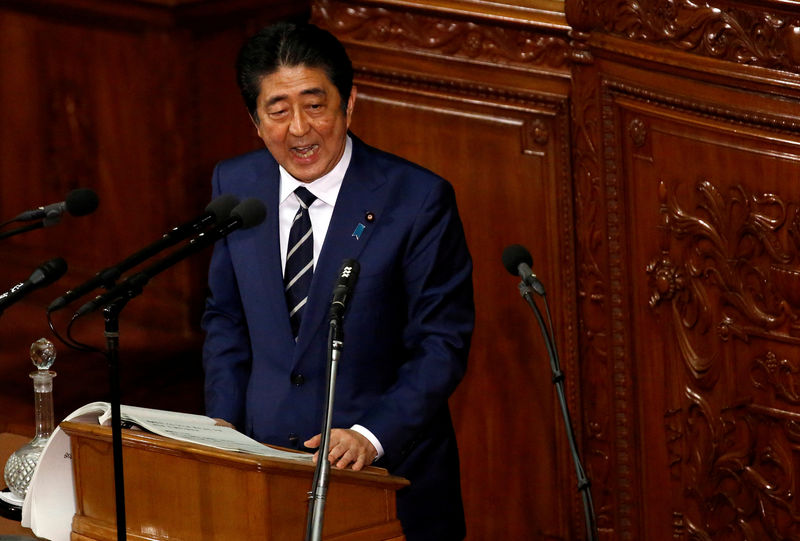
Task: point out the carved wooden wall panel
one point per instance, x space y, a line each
605 398
485 105
684 168
721 257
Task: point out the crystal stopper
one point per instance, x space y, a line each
43 353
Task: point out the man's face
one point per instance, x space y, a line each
301 120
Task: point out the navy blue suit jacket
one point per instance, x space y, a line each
406 331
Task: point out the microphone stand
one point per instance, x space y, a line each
319 485
558 381
23 229
111 316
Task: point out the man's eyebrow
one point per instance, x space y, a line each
315 91
275 99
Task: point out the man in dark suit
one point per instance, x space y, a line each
408 324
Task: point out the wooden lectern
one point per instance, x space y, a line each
183 491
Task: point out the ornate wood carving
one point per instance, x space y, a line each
723 267
637 132
737 471
449 37
535 136
593 289
736 33
618 353
739 244
734 458
777 375
666 280
529 100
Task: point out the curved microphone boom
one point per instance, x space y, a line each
517 261
217 210
249 213
44 275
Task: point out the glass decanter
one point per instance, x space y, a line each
20 465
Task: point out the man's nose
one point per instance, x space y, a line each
299 125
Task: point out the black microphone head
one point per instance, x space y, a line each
348 272
81 202
48 272
222 206
345 283
515 254
251 211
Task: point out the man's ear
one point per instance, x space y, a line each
351 104
254 119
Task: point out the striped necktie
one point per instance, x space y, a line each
299 260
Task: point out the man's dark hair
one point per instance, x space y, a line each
291 44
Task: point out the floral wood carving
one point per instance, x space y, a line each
736 247
408 30
536 135
665 280
731 265
738 471
637 130
741 34
779 375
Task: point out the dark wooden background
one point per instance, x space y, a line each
645 152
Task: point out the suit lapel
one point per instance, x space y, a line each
262 248
348 234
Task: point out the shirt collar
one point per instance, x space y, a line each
326 187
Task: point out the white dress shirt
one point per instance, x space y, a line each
326 190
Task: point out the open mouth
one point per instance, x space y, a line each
305 152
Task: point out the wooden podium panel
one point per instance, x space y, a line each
182 491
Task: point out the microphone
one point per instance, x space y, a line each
348 275
44 275
249 213
216 211
345 282
78 202
517 260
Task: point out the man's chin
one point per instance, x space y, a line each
305 174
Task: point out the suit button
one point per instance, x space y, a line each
298 379
294 441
